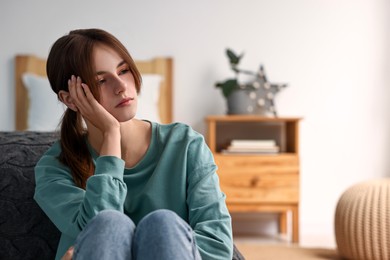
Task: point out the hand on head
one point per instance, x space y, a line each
80 99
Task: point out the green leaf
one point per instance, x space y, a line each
233 58
227 86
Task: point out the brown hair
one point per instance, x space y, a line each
72 54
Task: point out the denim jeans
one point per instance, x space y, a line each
161 234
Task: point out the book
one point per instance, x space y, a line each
253 143
253 149
248 146
225 151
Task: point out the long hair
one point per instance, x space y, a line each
72 54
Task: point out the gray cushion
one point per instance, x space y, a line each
25 230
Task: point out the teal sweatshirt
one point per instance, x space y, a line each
178 173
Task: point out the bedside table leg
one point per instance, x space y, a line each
283 222
295 225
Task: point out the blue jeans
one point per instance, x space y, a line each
161 234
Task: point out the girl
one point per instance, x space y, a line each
117 187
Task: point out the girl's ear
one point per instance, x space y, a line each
67 99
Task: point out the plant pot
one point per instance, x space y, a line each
240 102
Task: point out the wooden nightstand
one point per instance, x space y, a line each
258 182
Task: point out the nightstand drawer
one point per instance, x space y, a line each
251 179
258 164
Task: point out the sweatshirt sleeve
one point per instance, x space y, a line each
69 207
208 213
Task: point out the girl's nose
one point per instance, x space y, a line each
120 86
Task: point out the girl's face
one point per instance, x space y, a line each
118 94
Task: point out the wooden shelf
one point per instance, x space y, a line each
258 182
251 118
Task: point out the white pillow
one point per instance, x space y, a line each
148 98
45 109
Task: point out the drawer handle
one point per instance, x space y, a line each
254 181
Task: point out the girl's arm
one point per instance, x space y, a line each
70 207
208 213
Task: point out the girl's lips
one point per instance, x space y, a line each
125 102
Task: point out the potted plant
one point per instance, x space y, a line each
253 97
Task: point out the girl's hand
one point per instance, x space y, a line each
68 254
89 107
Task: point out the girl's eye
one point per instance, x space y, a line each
124 71
101 82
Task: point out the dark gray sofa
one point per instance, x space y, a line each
25 231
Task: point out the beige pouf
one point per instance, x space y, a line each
362 221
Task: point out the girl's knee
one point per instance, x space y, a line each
108 230
162 221
161 215
166 229
110 218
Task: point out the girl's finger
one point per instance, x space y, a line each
79 89
74 86
68 254
88 93
71 87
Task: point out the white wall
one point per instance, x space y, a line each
333 53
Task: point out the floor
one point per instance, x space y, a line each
247 243
244 240
312 241
253 230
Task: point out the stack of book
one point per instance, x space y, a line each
252 147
